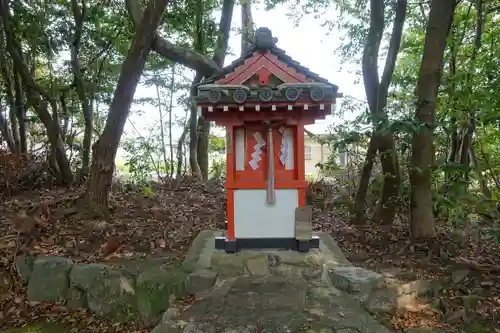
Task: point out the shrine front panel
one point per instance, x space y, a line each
251 151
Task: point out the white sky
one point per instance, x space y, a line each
308 43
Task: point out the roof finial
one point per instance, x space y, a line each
263 39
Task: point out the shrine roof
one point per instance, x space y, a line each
263 43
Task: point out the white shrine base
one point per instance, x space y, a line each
255 218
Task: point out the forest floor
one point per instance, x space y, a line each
166 221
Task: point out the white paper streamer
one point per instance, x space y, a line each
254 162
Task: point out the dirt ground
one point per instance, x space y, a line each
166 221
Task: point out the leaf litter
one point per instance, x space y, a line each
165 223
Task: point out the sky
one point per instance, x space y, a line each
308 43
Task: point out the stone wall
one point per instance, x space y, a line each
130 290
144 290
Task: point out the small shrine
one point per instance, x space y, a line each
264 99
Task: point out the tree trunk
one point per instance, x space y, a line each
79 17
438 27
58 150
20 110
247 26
193 132
203 136
7 82
376 92
386 206
485 190
471 126
105 148
203 127
364 183
37 96
194 59
162 127
202 147
180 156
452 94
170 111
5 129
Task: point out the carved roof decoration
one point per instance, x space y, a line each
264 49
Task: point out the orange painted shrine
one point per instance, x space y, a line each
264 99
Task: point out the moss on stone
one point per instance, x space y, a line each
156 288
112 294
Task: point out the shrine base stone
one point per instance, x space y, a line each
272 291
315 263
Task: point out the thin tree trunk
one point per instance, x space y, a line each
454 139
364 183
193 131
21 106
203 136
20 110
471 127
67 116
376 92
438 27
386 205
485 190
180 155
194 134
5 129
170 111
202 147
8 88
247 26
162 131
38 96
105 148
79 17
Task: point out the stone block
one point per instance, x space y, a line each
49 279
233 264
82 275
76 298
200 280
257 266
356 280
303 225
112 294
203 243
156 288
24 266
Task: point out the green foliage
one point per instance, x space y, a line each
217 144
218 169
147 191
138 156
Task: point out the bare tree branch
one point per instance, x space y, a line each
176 53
